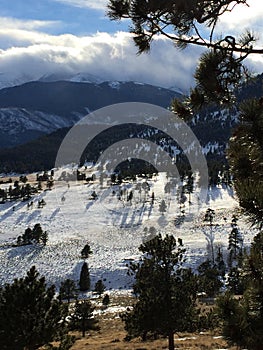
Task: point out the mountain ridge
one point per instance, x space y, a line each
43 107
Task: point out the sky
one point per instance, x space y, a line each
52 36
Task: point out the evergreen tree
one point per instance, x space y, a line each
35 235
243 319
84 280
209 278
99 287
209 217
165 291
82 318
235 242
246 159
86 251
30 316
44 237
106 300
234 281
189 186
162 207
220 263
67 290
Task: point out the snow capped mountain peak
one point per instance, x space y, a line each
81 77
12 79
86 78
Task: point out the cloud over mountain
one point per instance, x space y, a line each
111 56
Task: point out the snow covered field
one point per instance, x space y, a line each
114 229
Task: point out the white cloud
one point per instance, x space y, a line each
15 23
111 57
244 17
93 4
26 50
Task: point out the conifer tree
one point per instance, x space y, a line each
209 278
162 207
86 251
165 291
84 280
235 242
243 319
82 318
106 300
30 315
209 217
67 290
99 287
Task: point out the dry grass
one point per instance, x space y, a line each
111 336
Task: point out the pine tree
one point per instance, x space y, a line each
84 280
67 290
99 287
235 242
82 318
37 233
162 207
106 300
30 315
165 291
209 217
44 237
209 278
86 251
220 263
243 319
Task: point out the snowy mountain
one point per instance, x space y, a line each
35 117
41 107
13 79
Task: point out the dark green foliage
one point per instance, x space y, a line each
99 287
219 262
235 243
235 283
68 290
165 291
82 318
220 70
246 158
209 216
30 316
163 207
209 278
86 251
243 319
84 280
35 235
106 300
24 191
207 320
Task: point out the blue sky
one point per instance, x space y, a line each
53 36
75 17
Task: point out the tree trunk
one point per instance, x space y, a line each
83 327
171 341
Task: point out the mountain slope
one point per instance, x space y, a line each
42 107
